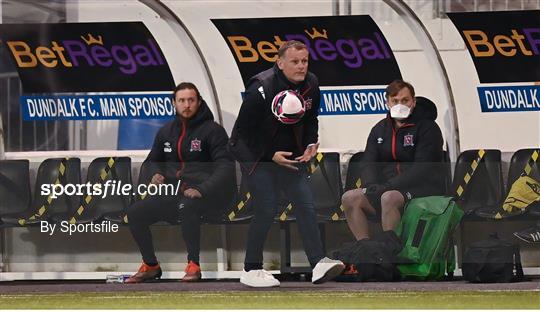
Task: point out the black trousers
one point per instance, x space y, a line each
170 209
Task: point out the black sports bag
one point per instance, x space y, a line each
492 261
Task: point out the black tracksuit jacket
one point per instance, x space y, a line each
195 152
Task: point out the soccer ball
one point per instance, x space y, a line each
288 107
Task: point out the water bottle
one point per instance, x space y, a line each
116 279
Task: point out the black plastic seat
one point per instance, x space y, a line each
478 183
14 191
146 171
353 179
112 206
57 171
241 208
326 186
525 162
231 207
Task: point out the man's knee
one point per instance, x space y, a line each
352 198
347 200
391 200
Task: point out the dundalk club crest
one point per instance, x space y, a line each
195 145
408 140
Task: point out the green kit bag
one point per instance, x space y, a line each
426 230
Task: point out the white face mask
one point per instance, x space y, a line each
400 112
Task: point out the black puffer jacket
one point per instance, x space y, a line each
409 158
259 134
202 162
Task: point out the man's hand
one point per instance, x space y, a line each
157 179
309 153
192 193
280 158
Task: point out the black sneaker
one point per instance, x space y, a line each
529 235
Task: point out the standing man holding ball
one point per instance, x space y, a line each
274 137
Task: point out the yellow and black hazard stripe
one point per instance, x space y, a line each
336 215
467 178
530 163
286 211
316 163
312 168
141 197
60 179
241 204
88 198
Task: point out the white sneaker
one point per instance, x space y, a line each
258 278
326 269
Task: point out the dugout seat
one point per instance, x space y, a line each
14 191
478 183
241 209
53 171
146 171
326 186
353 180
111 207
523 162
518 165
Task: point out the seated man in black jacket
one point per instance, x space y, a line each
400 161
190 150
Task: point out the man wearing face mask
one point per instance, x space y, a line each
401 161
